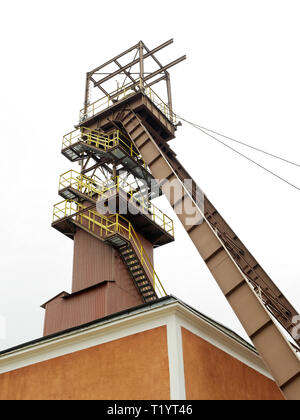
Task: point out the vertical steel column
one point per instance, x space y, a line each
169 92
141 57
86 95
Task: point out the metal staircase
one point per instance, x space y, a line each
74 185
136 131
137 272
118 232
110 146
110 149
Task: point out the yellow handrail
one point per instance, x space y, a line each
93 186
107 226
107 101
103 141
160 104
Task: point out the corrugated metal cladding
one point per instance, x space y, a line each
93 261
63 313
123 293
148 247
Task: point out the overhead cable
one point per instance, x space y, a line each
203 130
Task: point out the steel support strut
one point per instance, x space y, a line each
218 252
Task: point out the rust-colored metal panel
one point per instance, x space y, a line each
149 151
273 355
207 243
122 294
97 302
120 298
141 105
53 319
252 316
148 247
93 261
291 390
160 171
220 267
67 312
211 374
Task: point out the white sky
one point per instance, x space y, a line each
241 78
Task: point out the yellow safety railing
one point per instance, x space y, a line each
160 104
106 226
103 141
108 100
93 186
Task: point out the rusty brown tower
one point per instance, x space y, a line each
121 144
107 208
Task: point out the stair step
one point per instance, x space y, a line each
132 261
141 139
130 258
128 118
126 252
127 255
136 131
135 274
143 284
126 248
152 299
149 294
138 268
126 115
130 126
134 270
140 278
147 286
140 286
145 289
134 264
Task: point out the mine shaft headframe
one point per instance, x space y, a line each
132 71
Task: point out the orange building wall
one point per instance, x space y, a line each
134 367
212 374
